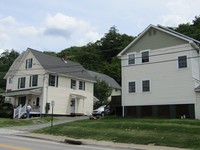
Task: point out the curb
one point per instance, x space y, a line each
74 142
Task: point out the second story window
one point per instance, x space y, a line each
81 85
29 63
10 80
21 82
146 86
182 62
73 84
33 80
131 59
145 56
53 80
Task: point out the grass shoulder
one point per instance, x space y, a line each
183 133
7 122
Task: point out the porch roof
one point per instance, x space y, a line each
77 96
35 91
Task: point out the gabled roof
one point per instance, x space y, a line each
110 81
57 65
193 42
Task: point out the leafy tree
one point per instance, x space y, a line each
191 30
101 91
101 55
113 43
6 60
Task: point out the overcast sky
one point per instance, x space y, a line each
53 25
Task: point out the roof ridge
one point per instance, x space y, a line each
178 33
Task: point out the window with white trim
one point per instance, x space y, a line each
29 63
33 80
146 86
81 85
10 80
145 56
21 82
53 80
131 58
132 87
73 84
182 62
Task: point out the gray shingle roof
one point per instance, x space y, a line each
111 82
57 65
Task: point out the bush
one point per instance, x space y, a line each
6 110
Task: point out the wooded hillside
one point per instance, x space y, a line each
101 55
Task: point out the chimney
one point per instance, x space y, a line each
65 58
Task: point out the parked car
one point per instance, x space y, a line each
99 111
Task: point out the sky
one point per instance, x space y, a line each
53 25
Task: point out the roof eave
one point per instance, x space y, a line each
135 40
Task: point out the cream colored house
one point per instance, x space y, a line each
40 80
116 88
161 75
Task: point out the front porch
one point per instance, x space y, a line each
21 98
77 104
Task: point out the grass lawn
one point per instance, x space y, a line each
6 122
167 132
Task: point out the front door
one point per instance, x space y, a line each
22 100
73 106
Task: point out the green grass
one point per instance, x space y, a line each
167 132
5 122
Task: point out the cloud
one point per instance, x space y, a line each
69 28
179 11
55 32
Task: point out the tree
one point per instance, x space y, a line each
112 43
191 30
101 91
6 60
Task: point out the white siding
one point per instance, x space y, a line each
61 96
169 85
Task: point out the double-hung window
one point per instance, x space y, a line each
145 56
132 87
53 80
131 58
146 86
182 62
33 80
81 85
73 84
29 63
21 82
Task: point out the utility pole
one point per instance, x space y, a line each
52 105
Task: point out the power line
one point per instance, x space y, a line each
156 62
162 53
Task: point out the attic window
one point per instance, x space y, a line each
152 32
29 63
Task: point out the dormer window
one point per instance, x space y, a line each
29 63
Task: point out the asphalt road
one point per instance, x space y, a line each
8 142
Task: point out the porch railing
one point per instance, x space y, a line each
19 111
